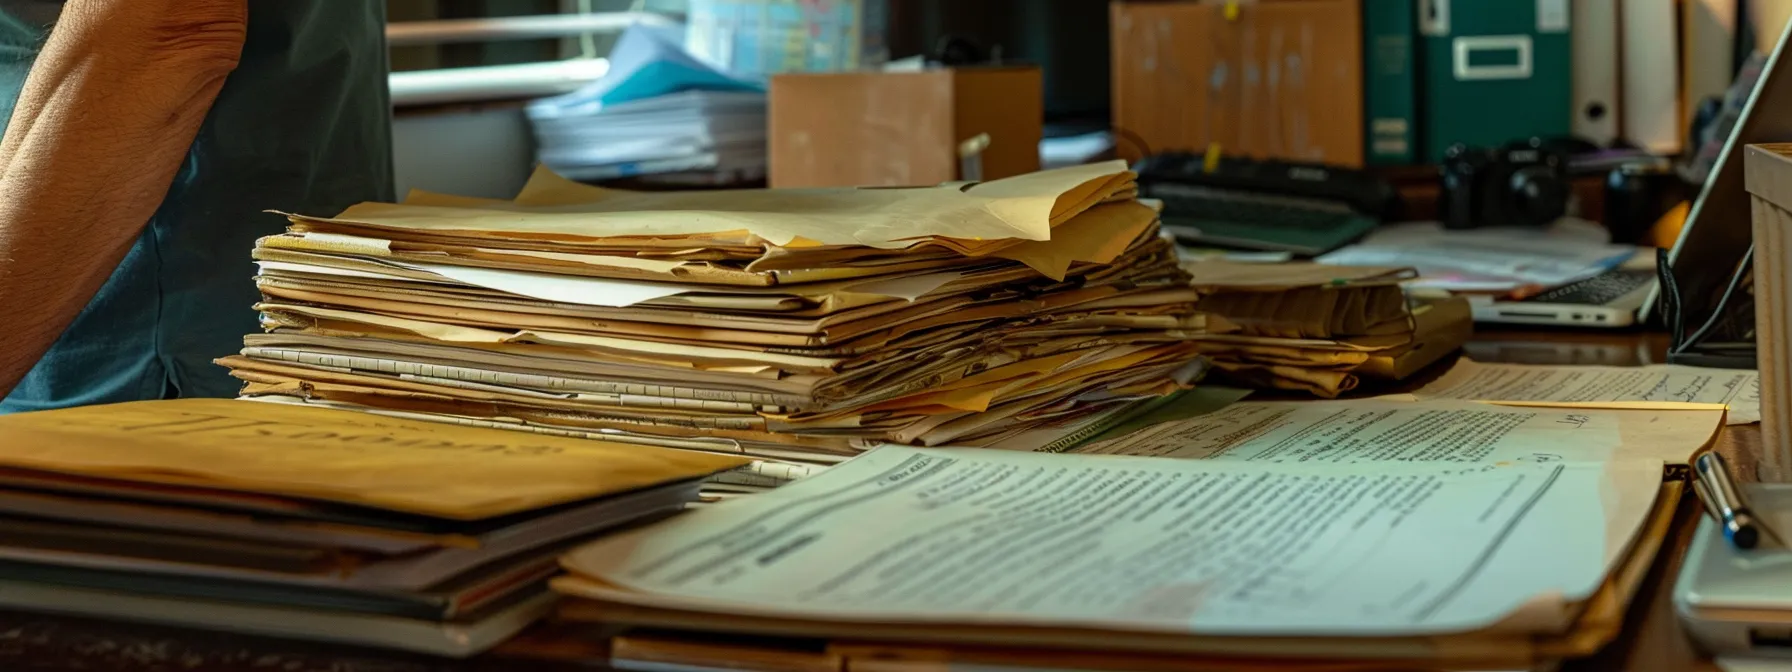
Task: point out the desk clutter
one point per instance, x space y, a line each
1195 398
363 529
1318 329
795 326
969 423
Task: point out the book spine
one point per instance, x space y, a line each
1390 82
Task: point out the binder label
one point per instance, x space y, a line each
1552 16
1434 17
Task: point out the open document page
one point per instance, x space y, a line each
1663 386
984 537
1383 430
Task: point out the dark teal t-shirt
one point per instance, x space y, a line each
302 125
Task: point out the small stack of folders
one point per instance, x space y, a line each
1319 328
799 326
310 523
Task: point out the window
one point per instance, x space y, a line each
446 51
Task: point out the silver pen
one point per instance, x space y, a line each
1725 501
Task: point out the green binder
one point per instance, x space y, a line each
1390 82
1495 71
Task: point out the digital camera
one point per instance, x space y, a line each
1521 184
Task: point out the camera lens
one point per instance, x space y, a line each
1538 195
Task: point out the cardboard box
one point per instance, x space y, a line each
1269 79
1767 171
902 128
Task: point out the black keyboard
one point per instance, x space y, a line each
1306 209
1291 215
1353 188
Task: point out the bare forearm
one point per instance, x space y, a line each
102 126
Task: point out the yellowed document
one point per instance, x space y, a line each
1663 386
978 537
428 468
1375 430
1327 383
662 353
1098 235
1022 207
1272 277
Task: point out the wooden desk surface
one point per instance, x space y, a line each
1652 639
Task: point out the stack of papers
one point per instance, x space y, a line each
1112 562
800 326
694 132
1664 386
310 523
656 111
1319 328
1494 260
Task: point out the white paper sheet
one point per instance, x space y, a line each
1375 430
326 270
1616 386
582 290
1209 547
1486 259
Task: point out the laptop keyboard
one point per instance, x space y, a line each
1597 290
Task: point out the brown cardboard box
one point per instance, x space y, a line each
902 128
1767 171
1270 78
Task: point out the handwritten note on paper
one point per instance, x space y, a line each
422 467
1662 386
1209 547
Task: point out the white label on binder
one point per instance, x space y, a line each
1434 17
1552 16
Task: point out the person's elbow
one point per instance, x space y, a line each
189 35
209 34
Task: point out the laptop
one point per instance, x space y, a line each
1712 243
1610 299
1718 231
1739 603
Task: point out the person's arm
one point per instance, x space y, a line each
102 125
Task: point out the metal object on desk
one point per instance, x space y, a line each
1724 501
1739 602
970 158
